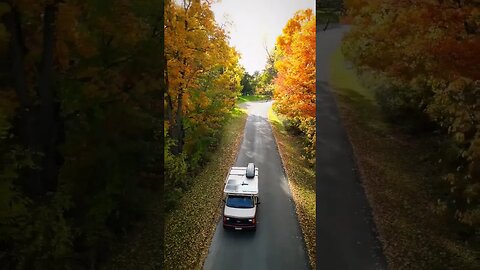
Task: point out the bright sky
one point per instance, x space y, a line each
254 23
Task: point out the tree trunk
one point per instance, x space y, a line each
24 127
178 131
25 118
169 109
163 88
37 123
16 46
49 108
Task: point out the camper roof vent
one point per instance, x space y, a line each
250 170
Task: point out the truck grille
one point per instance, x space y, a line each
238 221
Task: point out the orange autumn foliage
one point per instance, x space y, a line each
294 92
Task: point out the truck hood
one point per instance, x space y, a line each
239 212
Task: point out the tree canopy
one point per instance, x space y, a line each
81 127
427 54
203 82
294 91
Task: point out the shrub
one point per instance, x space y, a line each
456 108
405 106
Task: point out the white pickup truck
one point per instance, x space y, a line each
241 198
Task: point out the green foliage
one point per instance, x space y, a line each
265 79
175 176
248 84
455 108
242 99
404 105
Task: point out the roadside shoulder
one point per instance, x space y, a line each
301 179
190 227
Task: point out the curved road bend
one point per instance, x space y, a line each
346 235
278 242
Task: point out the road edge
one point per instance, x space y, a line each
204 252
311 257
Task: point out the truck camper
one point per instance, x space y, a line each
241 198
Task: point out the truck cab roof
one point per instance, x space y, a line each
238 183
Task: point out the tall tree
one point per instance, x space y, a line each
38 121
247 83
265 80
191 32
294 92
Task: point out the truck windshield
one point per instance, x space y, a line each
240 201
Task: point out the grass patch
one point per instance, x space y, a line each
242 99
301 178
358 98
190 226
399 173
344 77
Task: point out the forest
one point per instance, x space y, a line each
108 109
96 99
421 57
81 127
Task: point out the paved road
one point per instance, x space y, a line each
278 242
346 237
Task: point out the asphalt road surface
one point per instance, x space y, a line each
346 235
278 242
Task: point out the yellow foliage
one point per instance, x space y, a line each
202 68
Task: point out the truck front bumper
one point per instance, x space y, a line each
239 223
239 226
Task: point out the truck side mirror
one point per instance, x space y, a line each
224 200
258 202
